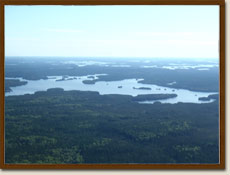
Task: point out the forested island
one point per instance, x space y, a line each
214 96
143 88
88 82
153 97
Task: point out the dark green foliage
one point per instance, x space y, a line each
13 83
143 88
88 82
153 97
214 96
59 126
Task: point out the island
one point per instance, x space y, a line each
90 76
143 88
88 82
210 97
147 97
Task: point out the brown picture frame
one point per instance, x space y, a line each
220 3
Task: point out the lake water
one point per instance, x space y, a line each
123 87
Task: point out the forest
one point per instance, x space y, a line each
69 127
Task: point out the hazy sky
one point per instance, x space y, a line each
123 31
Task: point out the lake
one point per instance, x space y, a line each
124 87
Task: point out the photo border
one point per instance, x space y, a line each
220 165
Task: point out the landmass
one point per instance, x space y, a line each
143 88
76 127
210 97
148 97
88 82
13 83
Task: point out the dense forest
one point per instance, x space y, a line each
57 126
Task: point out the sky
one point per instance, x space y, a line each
112 31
